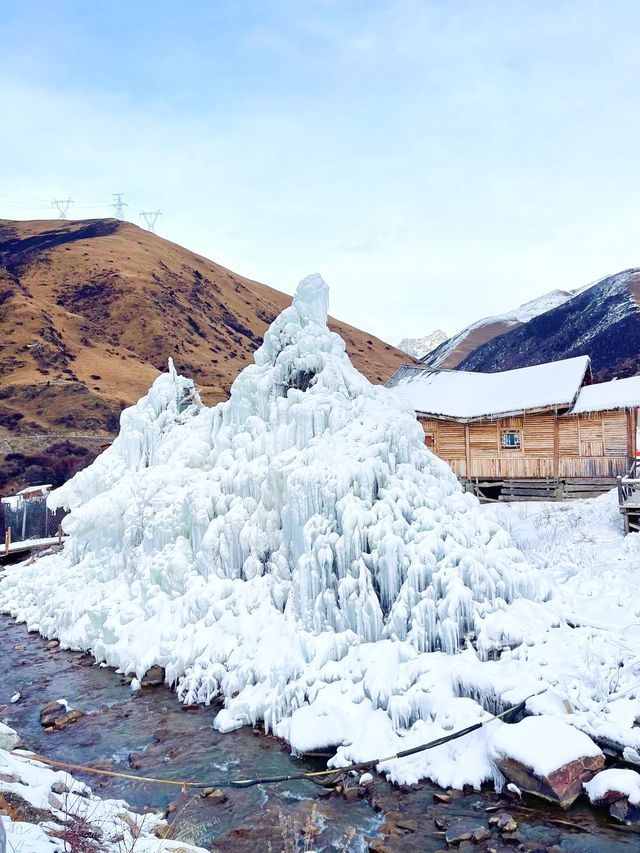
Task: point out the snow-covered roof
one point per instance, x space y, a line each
617 394
45 487
465 395
25 494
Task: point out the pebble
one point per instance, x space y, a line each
56 715
506 823
481 834
461 831
153 677
214 795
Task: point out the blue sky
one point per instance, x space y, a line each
435 161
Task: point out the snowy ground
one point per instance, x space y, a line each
593 656
55 813
298 550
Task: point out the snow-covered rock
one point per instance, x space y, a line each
546 757
615 784
619 789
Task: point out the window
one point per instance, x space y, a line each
510 439
430 441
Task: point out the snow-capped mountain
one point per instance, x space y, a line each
601 320
451 353
421 347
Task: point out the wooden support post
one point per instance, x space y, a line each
631 439
7 541
59 534
467 450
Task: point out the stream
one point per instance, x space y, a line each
150 733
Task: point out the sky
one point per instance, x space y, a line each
437 161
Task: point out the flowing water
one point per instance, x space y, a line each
149 733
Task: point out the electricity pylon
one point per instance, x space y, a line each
119 205
62 206
151 217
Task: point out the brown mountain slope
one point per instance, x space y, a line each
91 310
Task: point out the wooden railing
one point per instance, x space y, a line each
630 483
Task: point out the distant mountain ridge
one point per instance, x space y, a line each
452 352
601 320
421 347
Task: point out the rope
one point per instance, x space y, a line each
269 780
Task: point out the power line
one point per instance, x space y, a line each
151 217
119 205
62 205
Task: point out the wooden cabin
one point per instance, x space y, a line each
542 431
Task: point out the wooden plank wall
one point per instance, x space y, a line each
593 445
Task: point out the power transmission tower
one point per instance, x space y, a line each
151 217
119 205
62 205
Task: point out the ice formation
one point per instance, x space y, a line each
296 549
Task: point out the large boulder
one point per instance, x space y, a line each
546 757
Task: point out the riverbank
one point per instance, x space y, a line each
45 811
149 732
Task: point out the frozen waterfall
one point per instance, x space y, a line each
277 545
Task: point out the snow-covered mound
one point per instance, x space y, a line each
295 546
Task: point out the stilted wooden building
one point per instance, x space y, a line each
542 431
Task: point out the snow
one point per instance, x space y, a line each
528 310
464 394
117 826
589 656
544 744
8 738
626 782
617 394
27 544
420 347
299 552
